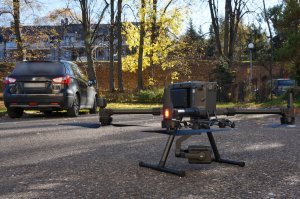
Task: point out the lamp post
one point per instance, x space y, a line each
251 46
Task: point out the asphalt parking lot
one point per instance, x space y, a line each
60 157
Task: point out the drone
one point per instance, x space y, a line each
189 108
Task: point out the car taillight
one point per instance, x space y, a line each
62 80
9 80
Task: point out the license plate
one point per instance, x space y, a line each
34 85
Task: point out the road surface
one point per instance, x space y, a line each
60 157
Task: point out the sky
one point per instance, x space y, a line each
198 12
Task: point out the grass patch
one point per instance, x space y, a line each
238 105
2 107
132 106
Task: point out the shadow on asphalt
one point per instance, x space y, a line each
95 126
157 131
83 124
126 125
52 115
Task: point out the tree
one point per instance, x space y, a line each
155 29
211 50
141 46
140 39
234 11
90 31
16 16
111 46
119 45
224 77
54 17
287 26
13 8
190 47
266 17
191 32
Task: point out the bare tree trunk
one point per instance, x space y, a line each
153 34
232 35
16 16
215 25
272 48
89 36
111 47
90 62
141 47
120 49
235 19
87 40
226 26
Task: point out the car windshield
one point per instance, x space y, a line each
38 68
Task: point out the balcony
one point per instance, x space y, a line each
72 44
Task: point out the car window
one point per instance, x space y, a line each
69 69
38 68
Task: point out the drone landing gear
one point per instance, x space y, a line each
161 166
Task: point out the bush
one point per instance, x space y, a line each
224 77
144 96
150 96
126 97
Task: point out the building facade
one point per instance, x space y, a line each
55 42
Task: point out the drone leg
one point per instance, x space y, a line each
166 152
217 154
161 166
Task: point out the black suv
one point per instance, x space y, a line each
48 86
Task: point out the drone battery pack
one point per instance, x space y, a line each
199 154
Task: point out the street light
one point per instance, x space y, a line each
251 46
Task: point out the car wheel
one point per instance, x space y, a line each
94 109
15 112
74 110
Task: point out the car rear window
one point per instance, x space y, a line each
38 68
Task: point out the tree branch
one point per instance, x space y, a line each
99 21
5 12
165 9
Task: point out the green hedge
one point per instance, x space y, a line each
150 96
144 96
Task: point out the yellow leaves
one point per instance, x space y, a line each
174 76
168 24
151 81
130 62
131 33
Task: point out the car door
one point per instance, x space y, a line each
90 90
82 85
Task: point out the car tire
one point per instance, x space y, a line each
93 110
74 110
15 112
